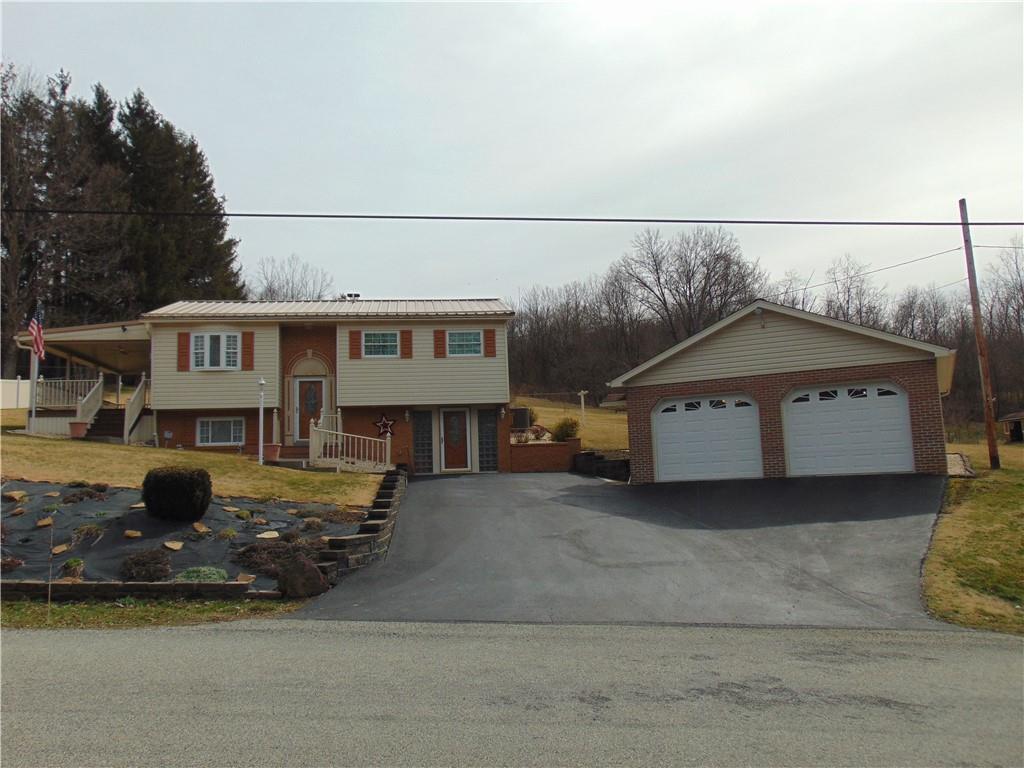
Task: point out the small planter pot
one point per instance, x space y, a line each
78 429
272 452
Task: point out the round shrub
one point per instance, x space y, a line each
177 493
564 429
147 565
202 573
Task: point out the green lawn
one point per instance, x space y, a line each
974 571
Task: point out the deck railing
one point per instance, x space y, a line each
134 407
62 393
346 451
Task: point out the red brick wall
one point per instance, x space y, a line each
544 457
918 378
295 340
183 425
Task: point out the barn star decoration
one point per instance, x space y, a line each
385 426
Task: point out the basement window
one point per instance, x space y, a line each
228 431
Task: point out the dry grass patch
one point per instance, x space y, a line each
62 461
974 572
13 418
137 613
601 429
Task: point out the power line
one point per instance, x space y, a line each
961 280
871 271
1007 247
535 219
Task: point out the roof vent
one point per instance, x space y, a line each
351 296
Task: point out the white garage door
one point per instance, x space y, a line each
848 429
706 438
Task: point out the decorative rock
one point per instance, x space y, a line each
292 511
52 494
259 521
60 548
18 512
130 534
268 535
230 509
174 546
15 496
299 577
245 578
46 522
201 527
138 505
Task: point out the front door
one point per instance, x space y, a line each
455 436
309 403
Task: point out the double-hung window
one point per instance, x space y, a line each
215 351
465 343
380 343
225 431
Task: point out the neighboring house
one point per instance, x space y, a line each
336 375
772 391
1013 426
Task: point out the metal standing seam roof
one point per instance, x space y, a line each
341 308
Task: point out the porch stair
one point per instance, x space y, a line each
109 423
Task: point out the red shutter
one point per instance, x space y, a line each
490 347
440 341
183 351
406 337
248 350
355 345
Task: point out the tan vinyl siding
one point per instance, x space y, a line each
423 379
174 389
783 345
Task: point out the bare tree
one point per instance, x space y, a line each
289 279
794 290
853 296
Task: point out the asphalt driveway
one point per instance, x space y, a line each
565 548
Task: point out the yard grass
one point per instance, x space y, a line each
13 418
601 429
136 613
974 571
62 461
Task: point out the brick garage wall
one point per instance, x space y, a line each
544 457
918 378
183 426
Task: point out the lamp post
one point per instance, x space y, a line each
263 384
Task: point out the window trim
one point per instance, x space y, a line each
231 444
448 342
206 350
398 344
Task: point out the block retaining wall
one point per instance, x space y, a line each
544 457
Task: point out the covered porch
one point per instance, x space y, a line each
103 392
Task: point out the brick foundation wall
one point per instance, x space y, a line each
544 457
918 378
183 426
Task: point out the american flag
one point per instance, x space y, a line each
35 330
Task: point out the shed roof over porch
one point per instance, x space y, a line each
110 347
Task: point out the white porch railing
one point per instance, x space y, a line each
353 453
134 407
89 405
63 393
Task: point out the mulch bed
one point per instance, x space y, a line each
111 511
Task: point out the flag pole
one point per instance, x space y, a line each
32 393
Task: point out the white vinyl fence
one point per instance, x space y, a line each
14 393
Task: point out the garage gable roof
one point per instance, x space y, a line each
761 304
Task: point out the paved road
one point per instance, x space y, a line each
303 693
564 548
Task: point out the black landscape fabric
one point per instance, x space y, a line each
103 555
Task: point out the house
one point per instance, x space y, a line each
1013 426
360 384
772 391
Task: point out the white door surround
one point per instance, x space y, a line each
706 438
848 429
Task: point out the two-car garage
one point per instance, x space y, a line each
776 392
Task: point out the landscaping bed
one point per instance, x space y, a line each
101 526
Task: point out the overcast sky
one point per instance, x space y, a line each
711 110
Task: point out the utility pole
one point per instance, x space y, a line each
979 336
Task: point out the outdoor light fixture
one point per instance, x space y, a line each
501 412
407 415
